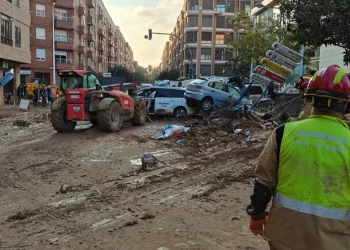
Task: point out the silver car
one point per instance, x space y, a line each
204 93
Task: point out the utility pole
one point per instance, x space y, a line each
190 66
53 46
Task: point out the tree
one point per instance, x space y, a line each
120 70
150 69
254 42
172 75
318 22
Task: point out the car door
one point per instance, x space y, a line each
163 101
149 96
220 94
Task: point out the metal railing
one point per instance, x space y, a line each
62 16
63 39
63 60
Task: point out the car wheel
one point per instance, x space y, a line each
207 103
180 112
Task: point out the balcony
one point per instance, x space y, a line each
90 4
82 30
101 59
90 20
82 9
65 4
64 64
81 66
82 48
110 32
111 42
91 54
63 22
102 32
63 43
91 37
102 47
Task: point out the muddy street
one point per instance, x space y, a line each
81 190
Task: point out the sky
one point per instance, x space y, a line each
135 17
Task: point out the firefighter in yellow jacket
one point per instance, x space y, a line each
305 168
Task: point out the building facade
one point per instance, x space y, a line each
73 34
15 42
204 25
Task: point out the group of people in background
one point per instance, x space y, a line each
43 95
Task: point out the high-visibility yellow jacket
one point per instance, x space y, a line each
308 164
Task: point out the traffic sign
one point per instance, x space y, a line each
287 52
269 74
275 67
259 79
277 58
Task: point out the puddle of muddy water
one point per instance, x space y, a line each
137 161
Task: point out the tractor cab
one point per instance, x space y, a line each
79 79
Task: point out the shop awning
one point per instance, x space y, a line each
6 79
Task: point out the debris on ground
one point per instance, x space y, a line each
147 160
169 130
21 123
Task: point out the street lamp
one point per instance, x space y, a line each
53 46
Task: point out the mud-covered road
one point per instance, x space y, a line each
79 190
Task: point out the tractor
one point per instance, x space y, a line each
86 100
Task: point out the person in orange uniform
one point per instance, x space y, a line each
305 168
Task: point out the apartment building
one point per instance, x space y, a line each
72 34
165 63
204 25
14 44
129 62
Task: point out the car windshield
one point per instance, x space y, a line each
199 81
71 82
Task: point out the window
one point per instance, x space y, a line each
206 37
205 70
40 54
220 22
40 10
18 38
16 2
194 53
61 57
207 21
228 24
163 92
219 54
233 92
40 33
191 37
61 36
221 6
61 14
231 6
206 54
221 86
208 4
192 21
193 5
228 55
6 30
245 6
178 93
220 38
218 70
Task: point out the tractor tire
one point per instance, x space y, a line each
111 120
140 114
59 122
94 119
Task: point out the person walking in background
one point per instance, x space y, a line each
35 96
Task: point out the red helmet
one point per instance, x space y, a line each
331 82
302 82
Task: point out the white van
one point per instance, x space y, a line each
165 101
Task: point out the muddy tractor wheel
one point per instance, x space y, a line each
111 120
59 120
94 119
140 114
